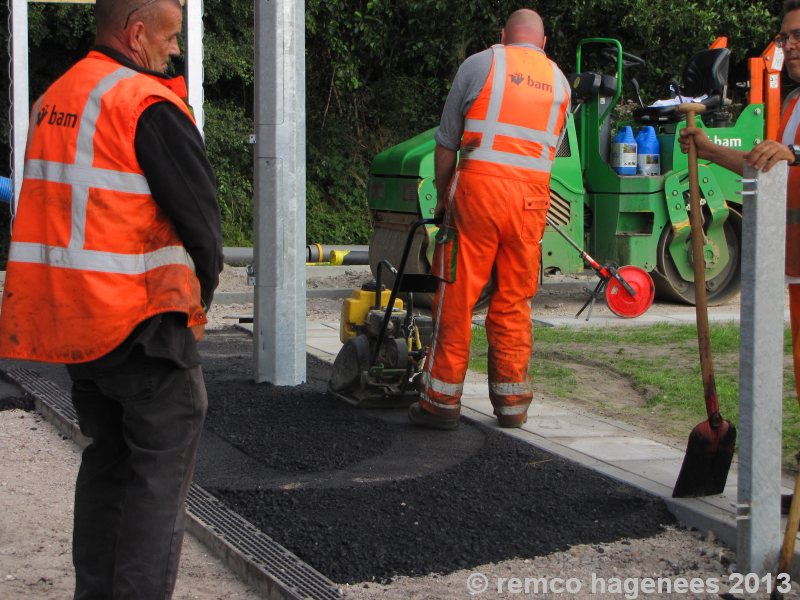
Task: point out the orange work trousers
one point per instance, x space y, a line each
499 224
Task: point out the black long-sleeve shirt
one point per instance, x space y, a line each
172 156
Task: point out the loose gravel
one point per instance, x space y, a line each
506 499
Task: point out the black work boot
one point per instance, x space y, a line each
420 416
511 422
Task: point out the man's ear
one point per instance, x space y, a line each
544 42
134 35
503 35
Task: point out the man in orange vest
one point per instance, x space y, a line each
505 113
767 154
114 257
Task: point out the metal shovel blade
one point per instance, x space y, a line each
707 461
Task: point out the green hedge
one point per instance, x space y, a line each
378 72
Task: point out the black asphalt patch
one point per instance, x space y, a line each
363 495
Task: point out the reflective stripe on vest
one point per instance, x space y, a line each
82 176
788 134
491 127
100 262
75 175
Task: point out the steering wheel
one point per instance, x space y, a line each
628 60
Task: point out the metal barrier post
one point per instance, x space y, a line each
761 369
279 194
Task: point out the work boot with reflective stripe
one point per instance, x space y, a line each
420 416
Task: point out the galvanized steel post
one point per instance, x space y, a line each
20 103
279 327
761 369
194 59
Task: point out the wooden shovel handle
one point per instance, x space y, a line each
790 534
698 258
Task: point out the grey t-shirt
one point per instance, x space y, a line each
467 84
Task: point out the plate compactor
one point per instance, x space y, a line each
385 343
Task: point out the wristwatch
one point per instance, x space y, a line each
796 151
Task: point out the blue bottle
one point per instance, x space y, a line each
623 152
6 190
649 152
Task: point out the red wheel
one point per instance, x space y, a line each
620 302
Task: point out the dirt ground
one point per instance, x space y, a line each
37 470
37 479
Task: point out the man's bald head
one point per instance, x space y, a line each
113 16
145 31
524 26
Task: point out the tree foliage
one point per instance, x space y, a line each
378 71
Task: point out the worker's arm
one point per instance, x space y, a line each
172 155
445 161
466 86
762 157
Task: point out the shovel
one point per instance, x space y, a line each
710 449
789 535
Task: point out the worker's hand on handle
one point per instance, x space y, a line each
762 157
198 331
769 152
701 141
438 212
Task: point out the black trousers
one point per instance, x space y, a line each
145 418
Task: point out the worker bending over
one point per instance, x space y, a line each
768 153
505 113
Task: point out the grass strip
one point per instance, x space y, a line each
657 368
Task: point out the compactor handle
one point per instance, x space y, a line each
398 280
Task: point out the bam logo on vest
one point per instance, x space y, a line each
57 118
518 78
539 85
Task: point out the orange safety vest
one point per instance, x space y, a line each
513 127
789 133
92 255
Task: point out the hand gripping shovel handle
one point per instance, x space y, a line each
698 258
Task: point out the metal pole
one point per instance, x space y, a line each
279 328
194 59
20 103
761 369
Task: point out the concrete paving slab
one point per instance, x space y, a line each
550 421
620 448
664 470
557 427
614 321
